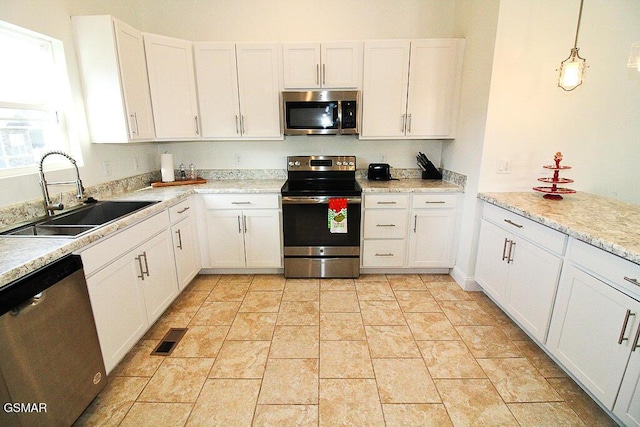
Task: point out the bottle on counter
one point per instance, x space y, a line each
183 172
192 172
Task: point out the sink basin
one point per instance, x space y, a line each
78 221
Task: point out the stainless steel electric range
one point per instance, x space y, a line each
321 214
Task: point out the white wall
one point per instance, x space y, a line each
596 126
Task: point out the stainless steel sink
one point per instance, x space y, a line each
78 221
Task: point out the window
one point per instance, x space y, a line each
34 93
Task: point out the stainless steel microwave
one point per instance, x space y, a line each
321 112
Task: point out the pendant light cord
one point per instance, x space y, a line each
575 43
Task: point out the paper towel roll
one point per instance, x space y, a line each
166 167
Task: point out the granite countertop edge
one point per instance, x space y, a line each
605 223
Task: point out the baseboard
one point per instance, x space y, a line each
465 282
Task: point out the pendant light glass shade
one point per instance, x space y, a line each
634 57
572 71
572 68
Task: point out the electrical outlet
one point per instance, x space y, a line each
136 163
237 158
106 168
383 157
504 166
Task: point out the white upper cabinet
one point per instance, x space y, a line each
114 76
411 88
334 65
239 90
173 87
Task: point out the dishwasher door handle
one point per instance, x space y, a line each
31 302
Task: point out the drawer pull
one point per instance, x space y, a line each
240 203
385 225
184 210
389 254
386 203
632 280
439 201
624 326
635 341
508 221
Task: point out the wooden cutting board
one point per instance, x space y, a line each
179 182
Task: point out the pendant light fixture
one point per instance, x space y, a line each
634 56
572 68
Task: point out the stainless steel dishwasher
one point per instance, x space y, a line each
51 366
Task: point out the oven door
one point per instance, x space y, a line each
305 223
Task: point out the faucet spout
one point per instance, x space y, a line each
49 207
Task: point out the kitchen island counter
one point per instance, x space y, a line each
605 223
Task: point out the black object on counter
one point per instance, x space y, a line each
429 171
379 172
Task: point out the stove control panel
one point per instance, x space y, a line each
321 163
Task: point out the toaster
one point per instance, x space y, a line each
379 172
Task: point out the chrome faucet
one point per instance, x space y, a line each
49 207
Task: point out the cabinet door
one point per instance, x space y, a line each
262 242
491 266
589 320
185 251
431 238
173 87
218 89
384 88
259 89
225 238
158 275
301 63
627 406
531 287
135 82
434 78
341 65
118 308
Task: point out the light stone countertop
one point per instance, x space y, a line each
411 185
605 223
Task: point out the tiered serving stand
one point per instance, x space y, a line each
554 192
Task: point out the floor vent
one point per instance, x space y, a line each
169 342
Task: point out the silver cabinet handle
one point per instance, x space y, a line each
509 257
415 223
244 221
404 123
240 203
239 226
385 225
388 254
197 126
632 280
504 248
436 202
237 127
635 341
324 74
184 210
508 221
135 121
386 203
179 239
242 124
624 326
318 74
409 124
146 265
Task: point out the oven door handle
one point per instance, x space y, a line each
316 200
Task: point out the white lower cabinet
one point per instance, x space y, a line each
432 231
519 265
185 242
385 230
237 238
131 280
627 406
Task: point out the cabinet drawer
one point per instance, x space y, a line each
241 201
181 210
434 201
383 253
386 201
110 248
619 271
539 234
385 224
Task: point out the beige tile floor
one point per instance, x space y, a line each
395 350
